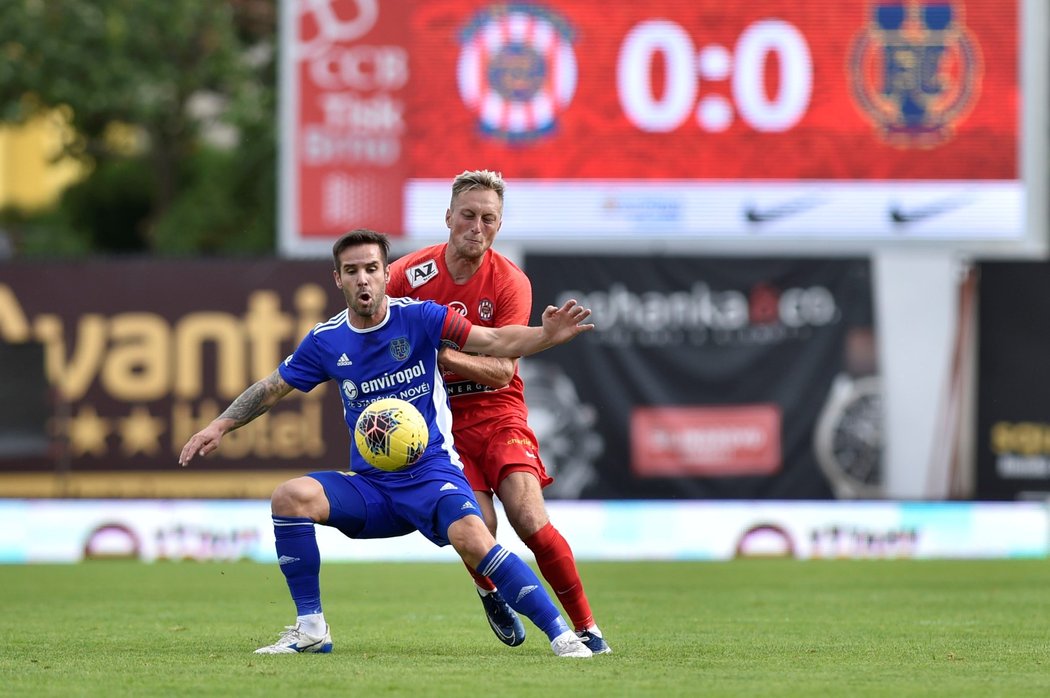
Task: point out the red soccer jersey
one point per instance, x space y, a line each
497 294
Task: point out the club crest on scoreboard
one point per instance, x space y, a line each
517 69
915 70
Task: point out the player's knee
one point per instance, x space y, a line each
470 546
302 496
523 503
526 514
470 537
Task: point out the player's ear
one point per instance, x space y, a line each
448 218
338 281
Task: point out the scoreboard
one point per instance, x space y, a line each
767 125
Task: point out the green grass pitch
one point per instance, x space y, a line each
742 628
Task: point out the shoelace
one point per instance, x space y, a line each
569 642
291 633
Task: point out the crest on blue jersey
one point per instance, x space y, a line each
516 69
915 70
400 348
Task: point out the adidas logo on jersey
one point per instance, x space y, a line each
344 360
448 486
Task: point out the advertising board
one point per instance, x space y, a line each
877 122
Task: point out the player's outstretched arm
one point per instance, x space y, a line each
560 325
253 402
493 371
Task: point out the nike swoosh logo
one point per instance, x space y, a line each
755 214
901 215
499 632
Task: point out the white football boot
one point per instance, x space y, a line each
294 641
569 644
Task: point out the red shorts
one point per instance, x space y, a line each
491 454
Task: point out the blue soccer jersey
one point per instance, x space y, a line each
397 358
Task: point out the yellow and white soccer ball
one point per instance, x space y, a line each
391 434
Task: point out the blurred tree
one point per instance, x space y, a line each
172 107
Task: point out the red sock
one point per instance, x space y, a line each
480 579
555 560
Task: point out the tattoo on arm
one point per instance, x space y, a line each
257 399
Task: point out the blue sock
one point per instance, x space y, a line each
522 589
300 560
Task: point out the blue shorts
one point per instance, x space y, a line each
428 497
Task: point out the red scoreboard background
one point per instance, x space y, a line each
872 121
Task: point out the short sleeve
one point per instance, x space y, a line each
303 368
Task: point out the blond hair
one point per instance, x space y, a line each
468 180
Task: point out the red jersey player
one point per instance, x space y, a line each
498 448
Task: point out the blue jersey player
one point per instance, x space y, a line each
388 347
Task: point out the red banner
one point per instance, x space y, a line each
387 94
705 441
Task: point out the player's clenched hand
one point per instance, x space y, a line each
562 324
445 354
202 443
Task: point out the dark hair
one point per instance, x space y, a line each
361 236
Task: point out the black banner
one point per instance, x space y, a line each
25 403
140 354
1013 404
708 378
